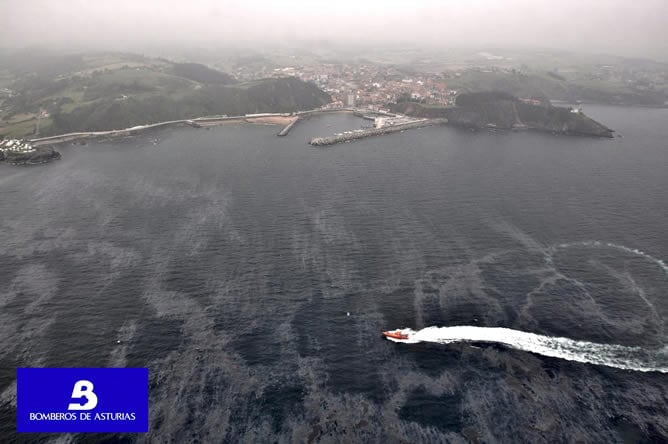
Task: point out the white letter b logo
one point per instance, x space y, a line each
83 390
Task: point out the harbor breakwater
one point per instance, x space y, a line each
285 131
361 134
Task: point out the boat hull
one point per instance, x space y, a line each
395 334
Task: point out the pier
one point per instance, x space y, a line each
285 131
363 133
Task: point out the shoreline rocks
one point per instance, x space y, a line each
40 155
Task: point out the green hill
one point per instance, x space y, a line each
110 91
202 74
555 86
270 95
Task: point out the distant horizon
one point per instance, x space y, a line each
346 50
593 26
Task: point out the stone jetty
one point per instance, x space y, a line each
369 132
285 131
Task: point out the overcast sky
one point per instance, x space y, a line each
614 26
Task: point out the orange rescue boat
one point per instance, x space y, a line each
395 334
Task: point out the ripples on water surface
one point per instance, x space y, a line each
225 260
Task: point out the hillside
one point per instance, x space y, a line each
202 74
559 87
110 90
270 95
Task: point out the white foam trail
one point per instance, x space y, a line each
618 356
635 251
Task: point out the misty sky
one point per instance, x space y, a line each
613 26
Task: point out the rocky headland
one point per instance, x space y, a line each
505 111
36 156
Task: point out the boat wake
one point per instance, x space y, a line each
618 356
599 244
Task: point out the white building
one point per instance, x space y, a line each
351 100
16 146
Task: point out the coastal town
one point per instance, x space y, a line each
367 86
373 86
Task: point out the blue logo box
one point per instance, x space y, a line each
82 400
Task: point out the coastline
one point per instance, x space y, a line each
289 120
284 119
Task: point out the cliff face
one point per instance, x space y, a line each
499 110
560 120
